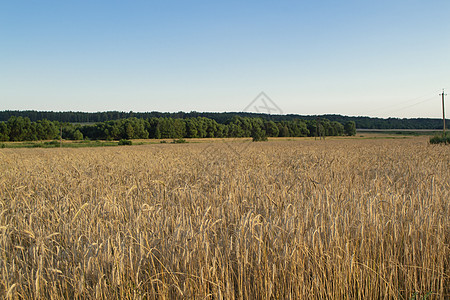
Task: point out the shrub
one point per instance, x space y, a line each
125 143
179 141
440 139
259 138
77 135
52 143
259 135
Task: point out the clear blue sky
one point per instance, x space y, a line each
374 57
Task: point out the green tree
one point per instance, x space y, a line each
283 130
258 135
338 128
297 128
46 130
234 130
167 128
272 129
4 132
220 130
115 131
179 128
211 129
350 128
202 127
157 132
191 128
139 128
77 135
20 129
129 131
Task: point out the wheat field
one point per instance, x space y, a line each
334 219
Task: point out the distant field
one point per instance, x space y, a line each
357 218
103 143
393 130
402 131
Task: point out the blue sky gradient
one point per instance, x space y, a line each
376 58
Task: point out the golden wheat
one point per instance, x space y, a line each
335 219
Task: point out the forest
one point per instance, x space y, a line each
221 118
18 128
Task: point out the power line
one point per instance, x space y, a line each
389 107
443 108
415 104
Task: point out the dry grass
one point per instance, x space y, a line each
335 219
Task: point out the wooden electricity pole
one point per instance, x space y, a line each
443 108
317 127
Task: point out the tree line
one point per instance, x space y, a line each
221 118
19 128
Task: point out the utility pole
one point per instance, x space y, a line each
317 127
443 108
